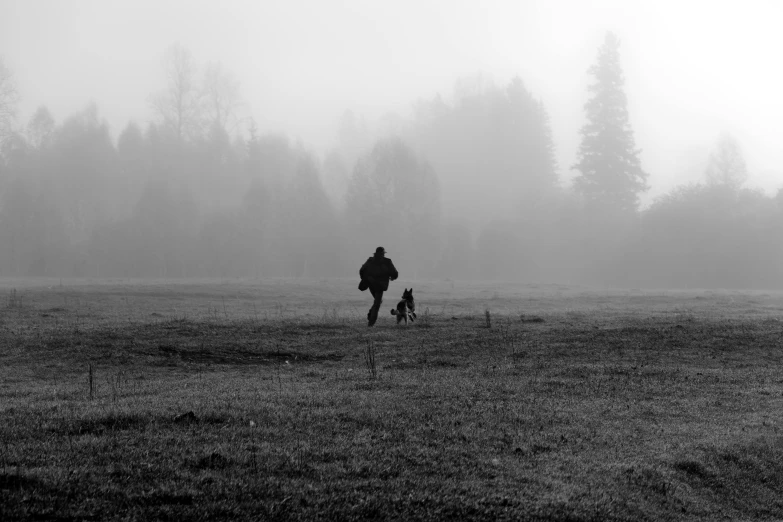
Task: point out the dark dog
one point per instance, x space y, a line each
406 308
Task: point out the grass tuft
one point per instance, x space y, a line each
212 461
102 424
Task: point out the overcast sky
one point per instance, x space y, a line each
693 68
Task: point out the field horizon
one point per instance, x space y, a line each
272 399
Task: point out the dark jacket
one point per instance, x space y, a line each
376 272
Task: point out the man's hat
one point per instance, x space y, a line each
380 251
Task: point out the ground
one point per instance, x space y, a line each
272 399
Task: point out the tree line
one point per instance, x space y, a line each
464 189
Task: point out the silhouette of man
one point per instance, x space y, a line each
376 273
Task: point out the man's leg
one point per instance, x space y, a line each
369 312
376 306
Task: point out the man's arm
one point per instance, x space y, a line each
392 271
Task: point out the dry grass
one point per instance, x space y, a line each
216 400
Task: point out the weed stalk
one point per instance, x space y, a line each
369 359
90 380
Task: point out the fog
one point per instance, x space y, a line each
177 139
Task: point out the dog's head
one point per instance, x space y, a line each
407 295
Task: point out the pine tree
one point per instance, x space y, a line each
611 174
9 101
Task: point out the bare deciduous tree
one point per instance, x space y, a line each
178 105
727 165
221 97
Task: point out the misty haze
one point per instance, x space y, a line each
565 218
468 178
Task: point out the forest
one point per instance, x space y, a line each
466 188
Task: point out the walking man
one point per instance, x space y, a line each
376 273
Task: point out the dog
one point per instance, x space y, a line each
406 308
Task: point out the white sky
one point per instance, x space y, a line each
693 68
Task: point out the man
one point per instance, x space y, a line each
376 273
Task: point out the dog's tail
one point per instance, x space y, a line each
394 311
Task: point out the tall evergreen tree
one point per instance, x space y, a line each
9 100
611 175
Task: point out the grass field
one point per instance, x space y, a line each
273 400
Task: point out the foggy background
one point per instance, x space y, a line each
178 139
